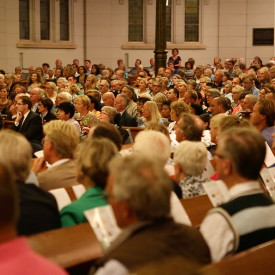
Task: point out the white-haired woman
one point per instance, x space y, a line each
190 160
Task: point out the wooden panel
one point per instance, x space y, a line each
7 124
134 131
255 261
197 208
68 247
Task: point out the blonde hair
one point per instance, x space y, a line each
216 120
16 154
52 85
94 157
237 89
154 111
111 111
159 98
84 99
64 137
93 81
179 107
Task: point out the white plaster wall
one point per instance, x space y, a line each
107 31
226 31
237 18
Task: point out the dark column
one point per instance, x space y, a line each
160 41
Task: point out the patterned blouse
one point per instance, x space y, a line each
191 186
86 121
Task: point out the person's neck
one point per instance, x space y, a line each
234 179
44 112
26 111
84 112
87 182
50 93
261 126
3 99
53 158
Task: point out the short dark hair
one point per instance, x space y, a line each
46 102
197 108
95 102
190 128
67 107
83 67
26 100
267 108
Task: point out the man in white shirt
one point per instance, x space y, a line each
247 219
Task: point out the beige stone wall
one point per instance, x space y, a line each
226 31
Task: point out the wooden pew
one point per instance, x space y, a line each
196 208
134 131
254 261
73 248
7 124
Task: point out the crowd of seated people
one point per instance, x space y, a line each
79 117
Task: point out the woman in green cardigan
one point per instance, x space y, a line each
92 172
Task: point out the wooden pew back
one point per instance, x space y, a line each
255 261
134 131
196 208
74 247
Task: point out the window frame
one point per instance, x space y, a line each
175 30
54 41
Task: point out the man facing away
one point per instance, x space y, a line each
60 142
247 219
140 198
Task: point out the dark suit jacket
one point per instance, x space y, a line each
48 117
127 120
38 210
31 128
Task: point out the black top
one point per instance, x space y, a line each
38 210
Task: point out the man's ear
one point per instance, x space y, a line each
178 168
227 167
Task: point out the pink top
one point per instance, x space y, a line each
16 257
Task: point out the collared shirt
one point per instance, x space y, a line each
59 162
34 107
255 91
75 123
216 231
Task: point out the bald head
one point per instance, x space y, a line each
108 99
